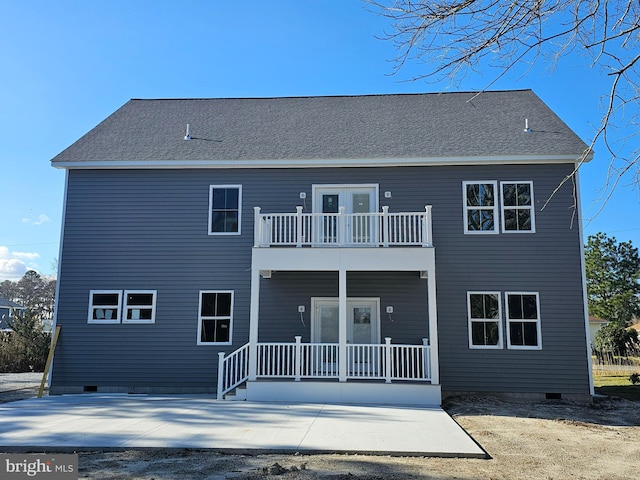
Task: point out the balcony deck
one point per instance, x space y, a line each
377 229
381 241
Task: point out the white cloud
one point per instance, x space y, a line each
26 255
42 218
12 266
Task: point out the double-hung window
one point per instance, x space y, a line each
139 306
480 207
523 320
215 317
225 207
104 306
517 207
485 319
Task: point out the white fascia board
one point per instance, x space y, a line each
324 163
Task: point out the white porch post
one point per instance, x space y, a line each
342 325
433 326
253 324
257 227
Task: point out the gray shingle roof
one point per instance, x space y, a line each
8 303
445 125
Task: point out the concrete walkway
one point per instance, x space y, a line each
140 421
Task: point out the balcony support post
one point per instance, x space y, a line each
254 312
257 227
433 327
342 325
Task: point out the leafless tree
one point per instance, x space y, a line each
458 37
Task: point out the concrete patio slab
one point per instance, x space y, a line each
140 421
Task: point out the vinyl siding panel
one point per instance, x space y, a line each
147 229
281 295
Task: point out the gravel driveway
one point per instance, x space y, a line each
19 386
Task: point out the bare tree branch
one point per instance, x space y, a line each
456 37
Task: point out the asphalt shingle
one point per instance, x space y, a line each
435 125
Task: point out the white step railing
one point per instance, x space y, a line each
233 370
297 361
381 229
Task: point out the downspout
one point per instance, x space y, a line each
342 325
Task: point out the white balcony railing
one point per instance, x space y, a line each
299 361
379 229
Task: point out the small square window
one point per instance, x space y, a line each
104 306
140 306
215 317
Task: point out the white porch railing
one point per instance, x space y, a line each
233 370
298 361
381 229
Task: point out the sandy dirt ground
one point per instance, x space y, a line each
551 440
542 441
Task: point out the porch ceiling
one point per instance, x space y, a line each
347 259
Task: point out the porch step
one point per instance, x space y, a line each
358 393
239 394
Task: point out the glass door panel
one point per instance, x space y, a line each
325 330
360 203
328 323
329 224
361 325
362 333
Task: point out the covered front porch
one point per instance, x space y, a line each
351 321
296 371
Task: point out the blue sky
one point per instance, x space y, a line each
66 65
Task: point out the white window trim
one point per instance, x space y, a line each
118 308
519 320
200 318
126 306
531 208
499 346
211 188
465 208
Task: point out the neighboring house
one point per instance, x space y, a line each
7 310
382 248
595 324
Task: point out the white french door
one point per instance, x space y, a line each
363 326
356 200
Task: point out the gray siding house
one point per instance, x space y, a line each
379 249
7 310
